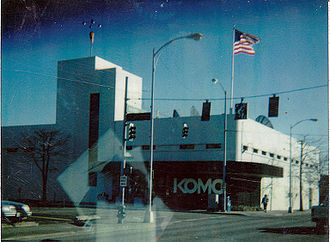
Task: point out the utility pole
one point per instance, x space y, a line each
290 210
300 176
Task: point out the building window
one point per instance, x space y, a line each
285 158
189 146
245 148
213 146
297 162
255 150
263 152
271 154
278 157
129 147
94 113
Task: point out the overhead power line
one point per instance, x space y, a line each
183 99
245 97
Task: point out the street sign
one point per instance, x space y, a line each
138 116
123 181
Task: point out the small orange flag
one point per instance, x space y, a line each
91 37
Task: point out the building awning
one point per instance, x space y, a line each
249 169
254 169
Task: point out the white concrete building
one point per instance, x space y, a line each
90 108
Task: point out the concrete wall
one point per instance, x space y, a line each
78 79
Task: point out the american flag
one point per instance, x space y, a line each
244 43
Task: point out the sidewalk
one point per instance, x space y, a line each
276 213
252 213
72 212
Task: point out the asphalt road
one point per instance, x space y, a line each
57 225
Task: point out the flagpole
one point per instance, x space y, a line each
232 75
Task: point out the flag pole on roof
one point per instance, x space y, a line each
232 74
242 43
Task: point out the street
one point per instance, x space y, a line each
57 224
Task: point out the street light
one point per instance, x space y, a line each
214 80
290 160
195 36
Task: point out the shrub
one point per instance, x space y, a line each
246 208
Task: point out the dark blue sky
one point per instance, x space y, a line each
292 54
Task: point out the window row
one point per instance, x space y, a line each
272 155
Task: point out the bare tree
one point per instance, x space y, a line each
42 147
310 169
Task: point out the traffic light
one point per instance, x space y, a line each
206 111
131 132
241 111
185 130
273 106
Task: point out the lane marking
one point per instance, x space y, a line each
63 219
193 219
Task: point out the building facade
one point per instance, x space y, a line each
187 171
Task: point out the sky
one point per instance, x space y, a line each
291 59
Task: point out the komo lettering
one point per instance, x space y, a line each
189 185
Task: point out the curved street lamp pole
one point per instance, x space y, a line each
224 147
196 36
290 160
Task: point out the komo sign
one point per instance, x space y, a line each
190 185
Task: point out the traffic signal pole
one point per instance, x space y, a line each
121 210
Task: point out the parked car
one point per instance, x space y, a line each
320 215
14 211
